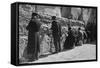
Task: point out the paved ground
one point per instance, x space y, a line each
84 52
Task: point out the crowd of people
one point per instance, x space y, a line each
33 47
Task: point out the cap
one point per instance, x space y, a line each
34 14
53 17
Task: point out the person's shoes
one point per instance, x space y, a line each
31 60
54 52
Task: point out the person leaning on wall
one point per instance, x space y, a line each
56 32
33 46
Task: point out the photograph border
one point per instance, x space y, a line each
47 4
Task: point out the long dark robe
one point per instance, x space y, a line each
56 32
70 40
33 46
79 39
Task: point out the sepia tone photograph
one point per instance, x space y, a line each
50 33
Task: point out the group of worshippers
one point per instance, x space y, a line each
74 38
33 46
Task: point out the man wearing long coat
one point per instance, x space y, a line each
33 46
56 32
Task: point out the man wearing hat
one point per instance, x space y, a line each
56 32
33 46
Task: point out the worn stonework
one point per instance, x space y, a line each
49 10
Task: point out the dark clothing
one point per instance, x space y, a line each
33 26
70 40
56 28
79 39
33 46
57 43
84 37
56 32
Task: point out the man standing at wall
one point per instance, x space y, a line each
33 46
56 32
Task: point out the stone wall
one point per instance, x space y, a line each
45 12
49 10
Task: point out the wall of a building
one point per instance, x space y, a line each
77 13
66 12
49 10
